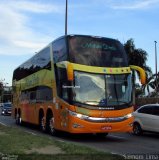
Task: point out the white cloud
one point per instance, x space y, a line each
136 4
35 7
28 44
16 37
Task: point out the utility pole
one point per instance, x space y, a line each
156 65
66 18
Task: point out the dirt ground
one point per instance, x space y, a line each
46 150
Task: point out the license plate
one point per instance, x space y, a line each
106 127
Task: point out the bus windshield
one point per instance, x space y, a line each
102 90
94 51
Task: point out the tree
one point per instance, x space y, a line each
151 83
137 57
138 91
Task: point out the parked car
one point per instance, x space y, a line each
146 119
6 109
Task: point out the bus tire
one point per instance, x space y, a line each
51 126
42 124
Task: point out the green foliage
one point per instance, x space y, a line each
138 90
151 84
137 57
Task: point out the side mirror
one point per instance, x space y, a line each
142 73
70 75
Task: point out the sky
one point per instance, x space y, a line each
26 26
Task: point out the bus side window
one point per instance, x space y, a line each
48 94
32 96
44 94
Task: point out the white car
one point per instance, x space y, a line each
146 119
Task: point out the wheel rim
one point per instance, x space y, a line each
42 124
51 125
136 129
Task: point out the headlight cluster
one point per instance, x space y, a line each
78 115
100 119
128 115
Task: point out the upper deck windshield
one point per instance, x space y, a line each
95 51
102 90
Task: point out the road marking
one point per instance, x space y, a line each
3 124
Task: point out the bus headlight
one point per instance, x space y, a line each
78 115
128 115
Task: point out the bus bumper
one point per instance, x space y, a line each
77 125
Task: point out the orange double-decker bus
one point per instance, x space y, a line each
77 84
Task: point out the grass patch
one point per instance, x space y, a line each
15 142
18 141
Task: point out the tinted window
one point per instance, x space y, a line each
146 110
93 51
156 111
32 95
37 95
40 61
44 94
59 50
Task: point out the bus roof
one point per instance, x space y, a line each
72 35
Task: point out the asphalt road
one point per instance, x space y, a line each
118 143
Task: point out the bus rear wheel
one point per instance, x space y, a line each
42 124
52 129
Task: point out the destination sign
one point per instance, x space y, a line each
98 46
